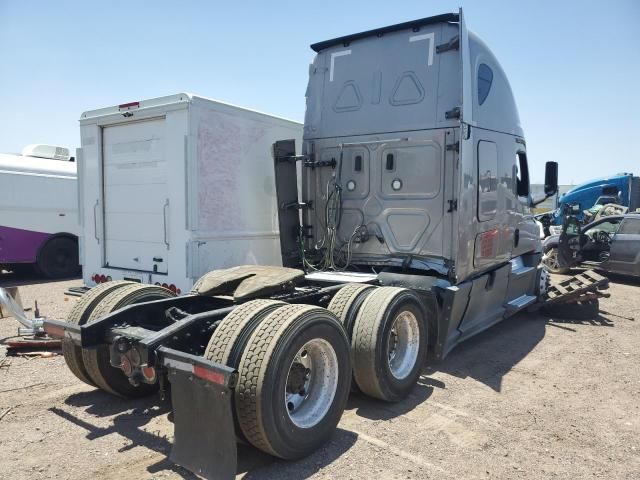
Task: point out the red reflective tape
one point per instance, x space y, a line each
209 375
54 331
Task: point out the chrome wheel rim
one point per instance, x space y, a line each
403 344
312 381
551 260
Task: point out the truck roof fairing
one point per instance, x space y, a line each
447 17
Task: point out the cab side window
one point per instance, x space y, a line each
485 79
630 226
522 174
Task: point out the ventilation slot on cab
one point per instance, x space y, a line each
358 163
389 165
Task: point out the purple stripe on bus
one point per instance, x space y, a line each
20 246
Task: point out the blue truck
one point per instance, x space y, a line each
622 189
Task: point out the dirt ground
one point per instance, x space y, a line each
533 397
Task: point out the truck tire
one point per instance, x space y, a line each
58 258
543 282
550 260
97 361
346 303
79 315
232 334
303 351
389 343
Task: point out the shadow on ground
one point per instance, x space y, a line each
490 355
130 416
28 277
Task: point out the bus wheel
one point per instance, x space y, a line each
79 315
58 258
293 381
98 361
389 343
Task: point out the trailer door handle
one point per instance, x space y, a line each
95 221
164 219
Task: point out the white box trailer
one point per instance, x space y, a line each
176 186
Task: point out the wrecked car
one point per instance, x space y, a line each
610 244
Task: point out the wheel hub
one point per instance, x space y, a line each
312 381
403 344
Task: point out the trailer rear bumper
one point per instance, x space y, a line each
201 395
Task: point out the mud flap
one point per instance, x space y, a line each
204 436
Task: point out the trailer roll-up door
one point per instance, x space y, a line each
135 196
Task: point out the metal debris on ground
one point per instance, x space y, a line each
32 355
33 345
6 412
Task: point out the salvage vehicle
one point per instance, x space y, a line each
410 234
622 189
39 211
163 189
610 244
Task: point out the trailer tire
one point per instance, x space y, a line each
585 310
389 314
79 315
58 258
303 351
97 361
346 303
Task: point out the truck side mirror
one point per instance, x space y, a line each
551 178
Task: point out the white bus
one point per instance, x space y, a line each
176 186
39 211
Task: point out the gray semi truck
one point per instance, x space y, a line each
410 234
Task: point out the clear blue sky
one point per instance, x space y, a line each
574 66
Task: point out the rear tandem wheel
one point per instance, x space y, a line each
79 315
346 303
97 361
389 343
293 382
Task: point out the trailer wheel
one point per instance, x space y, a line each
58 258
550 260
97 361
79 315
346 303
389 343
293 381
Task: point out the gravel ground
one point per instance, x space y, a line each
533 397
